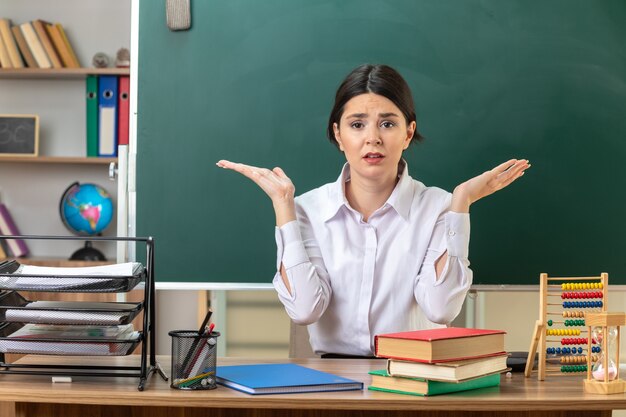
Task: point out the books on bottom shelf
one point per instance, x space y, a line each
8 227
382 381
83 340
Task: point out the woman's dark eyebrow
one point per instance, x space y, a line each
357 116
388 115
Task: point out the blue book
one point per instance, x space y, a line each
107 115
284 378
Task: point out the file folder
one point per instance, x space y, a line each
92 115
107 115
123 105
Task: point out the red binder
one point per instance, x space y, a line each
124 110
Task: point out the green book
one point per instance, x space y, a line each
382 381
92 115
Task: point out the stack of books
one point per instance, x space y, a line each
36 44
439 361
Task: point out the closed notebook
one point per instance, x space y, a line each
448 371
381 381
283 378
440 345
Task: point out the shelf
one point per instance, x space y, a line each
62 73
81 160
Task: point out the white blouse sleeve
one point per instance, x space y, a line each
441 299
306 273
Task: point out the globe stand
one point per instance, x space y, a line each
88 253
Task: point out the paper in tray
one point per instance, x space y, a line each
87 346
15 308
106 278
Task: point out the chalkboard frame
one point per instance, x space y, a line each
32 145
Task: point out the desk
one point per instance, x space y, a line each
517 396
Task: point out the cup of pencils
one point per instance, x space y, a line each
194 358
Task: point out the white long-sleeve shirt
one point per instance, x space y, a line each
352 279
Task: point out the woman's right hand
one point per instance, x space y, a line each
276 185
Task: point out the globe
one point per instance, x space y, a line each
86 210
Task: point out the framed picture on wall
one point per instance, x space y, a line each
19 135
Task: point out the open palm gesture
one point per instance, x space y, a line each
488 183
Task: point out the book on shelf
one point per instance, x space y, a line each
68 44
448 371
8 227
23 46
283 378
36 48
5 60
40 28
60 45
440 345
9 43
382 381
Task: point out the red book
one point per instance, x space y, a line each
123 107
440 345
8 228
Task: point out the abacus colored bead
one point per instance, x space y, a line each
549 322
580 350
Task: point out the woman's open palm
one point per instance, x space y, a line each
274 182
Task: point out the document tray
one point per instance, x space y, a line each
86 346
16 309
11 279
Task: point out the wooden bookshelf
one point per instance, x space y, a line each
59 74
79 160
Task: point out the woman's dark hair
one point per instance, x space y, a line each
378 79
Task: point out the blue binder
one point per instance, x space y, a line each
107 115
285 378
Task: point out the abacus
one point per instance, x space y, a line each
560 333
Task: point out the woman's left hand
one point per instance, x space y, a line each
487 183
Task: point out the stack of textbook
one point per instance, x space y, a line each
439 361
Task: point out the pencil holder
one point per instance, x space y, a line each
194 359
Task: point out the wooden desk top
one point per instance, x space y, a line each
516 393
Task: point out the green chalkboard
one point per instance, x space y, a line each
253 81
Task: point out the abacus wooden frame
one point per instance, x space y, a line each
538 340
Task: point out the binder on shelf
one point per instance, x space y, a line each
46 42
92 115
9 44
9 228
107 115
35 45
23 46
123 106
60 46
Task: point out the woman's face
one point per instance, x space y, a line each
372 133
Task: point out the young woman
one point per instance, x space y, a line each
356 257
